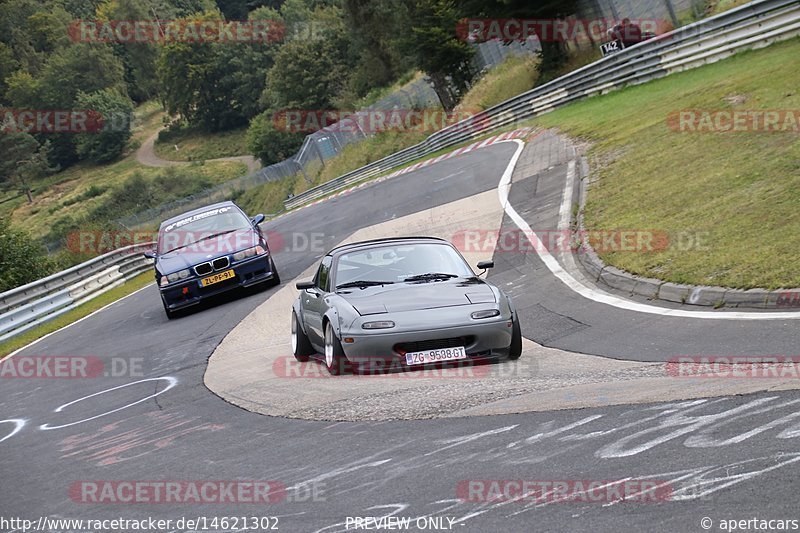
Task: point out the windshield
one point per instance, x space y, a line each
400 262
201 226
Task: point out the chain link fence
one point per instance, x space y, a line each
326 143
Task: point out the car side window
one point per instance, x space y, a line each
323 274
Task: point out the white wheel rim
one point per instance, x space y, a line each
329 346
294 333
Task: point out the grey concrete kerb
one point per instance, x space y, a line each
253 366
654 289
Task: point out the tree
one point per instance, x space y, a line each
138 59
8 65
269 144
553 53
212 85
22 160
377 28
436 48
239 9
116 111
21 259
47 30
309 72
78 68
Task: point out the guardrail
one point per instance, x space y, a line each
750 26
40 301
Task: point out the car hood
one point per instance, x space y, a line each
206 250
417 296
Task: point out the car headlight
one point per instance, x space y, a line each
381 324
250 252
177 276
488 313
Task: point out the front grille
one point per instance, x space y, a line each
219 263
203 269
434 344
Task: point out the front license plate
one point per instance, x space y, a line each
216 278
436 356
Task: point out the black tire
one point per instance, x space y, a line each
335 361
515 350
170 314
276 279
301 346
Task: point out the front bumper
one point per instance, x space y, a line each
189 292
490 339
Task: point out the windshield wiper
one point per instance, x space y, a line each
361 284
200 240
433 276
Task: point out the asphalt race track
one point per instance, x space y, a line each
722 458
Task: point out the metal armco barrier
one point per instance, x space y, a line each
35 303
751 26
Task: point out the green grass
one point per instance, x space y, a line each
379 92
743 189
720 6
69 317
515 75
195 145
267 198
76 191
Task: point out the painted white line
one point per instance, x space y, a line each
40 339
503 189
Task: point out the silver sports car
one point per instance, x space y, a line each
399 303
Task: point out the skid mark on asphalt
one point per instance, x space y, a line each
111 444
611 438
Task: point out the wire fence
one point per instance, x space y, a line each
328 142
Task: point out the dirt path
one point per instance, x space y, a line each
146 156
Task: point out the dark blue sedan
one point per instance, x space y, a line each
208 251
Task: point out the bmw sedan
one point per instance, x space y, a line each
401 303
208 251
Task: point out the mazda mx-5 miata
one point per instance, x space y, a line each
208 251
401 303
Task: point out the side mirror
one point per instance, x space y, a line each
150 254
486 265
258 219
305 285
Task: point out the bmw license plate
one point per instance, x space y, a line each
216 278
436 356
